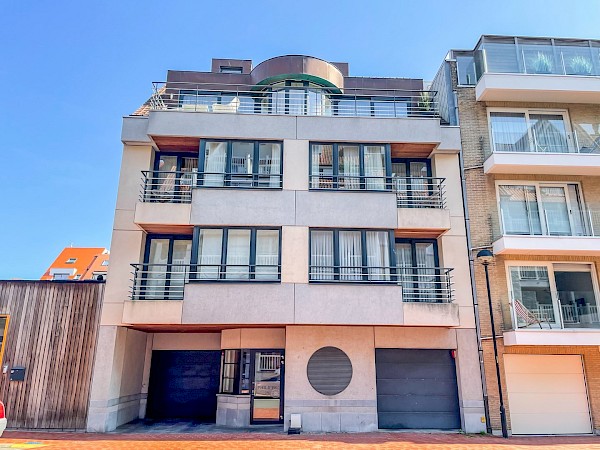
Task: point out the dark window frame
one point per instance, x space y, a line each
172 238
223 265
363 248
227 176
335 166
177 181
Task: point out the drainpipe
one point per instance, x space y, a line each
472 273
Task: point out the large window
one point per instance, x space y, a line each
241 164
351 255
165 269
418 271
554 209
350 166
172 179
554 294
237 254
530 131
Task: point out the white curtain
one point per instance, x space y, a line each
378 255
350 255
214 163
404 269
238 254
157 269
321 255
209 253
509 132
267 254
349 167
428 284
375 167
269 164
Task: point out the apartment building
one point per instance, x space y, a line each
289 247
529 111
79 264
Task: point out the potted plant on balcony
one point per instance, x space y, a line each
542 63
425 104
580 65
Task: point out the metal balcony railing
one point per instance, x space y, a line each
411 192
566 310
417 192
160 186
419 284
167 281
575 142
297 101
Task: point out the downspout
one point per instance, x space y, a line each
463 183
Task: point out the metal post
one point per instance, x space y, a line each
502 410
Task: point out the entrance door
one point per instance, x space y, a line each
184 385
267 386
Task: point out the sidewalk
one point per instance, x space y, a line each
258 441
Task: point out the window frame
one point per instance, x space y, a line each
335 166
227 175
549 265
413 241
194 266
538 185
3 345
527 112
172 238
363 247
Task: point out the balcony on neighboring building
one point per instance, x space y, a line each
526 69
546 219
551 303
541 141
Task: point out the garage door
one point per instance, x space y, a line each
416 389
547 394
184 385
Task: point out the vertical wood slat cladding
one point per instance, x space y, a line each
52 332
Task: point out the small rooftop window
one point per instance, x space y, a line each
71 260
105 263
231 69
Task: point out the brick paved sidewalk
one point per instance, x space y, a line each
258 441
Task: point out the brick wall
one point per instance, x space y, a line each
485 226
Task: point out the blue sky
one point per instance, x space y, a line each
71 70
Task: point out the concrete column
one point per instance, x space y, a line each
117 379
295 165
294 254
470 393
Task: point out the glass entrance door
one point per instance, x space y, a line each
266 404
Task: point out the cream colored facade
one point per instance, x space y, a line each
293 315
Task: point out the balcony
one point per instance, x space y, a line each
419 284
575 153
573 232
167 281
562 318
536 70
292 101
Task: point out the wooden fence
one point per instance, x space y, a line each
52 332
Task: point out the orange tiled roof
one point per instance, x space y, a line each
85 259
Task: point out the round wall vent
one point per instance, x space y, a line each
329 370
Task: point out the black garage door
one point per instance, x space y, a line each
184 385
416 389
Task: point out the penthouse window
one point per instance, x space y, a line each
350 166
241 164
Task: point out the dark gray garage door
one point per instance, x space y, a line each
184 385
416 389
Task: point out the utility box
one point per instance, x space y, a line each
17 373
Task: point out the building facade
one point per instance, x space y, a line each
296 253
79 264
529 111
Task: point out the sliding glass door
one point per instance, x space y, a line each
417 268
542 209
